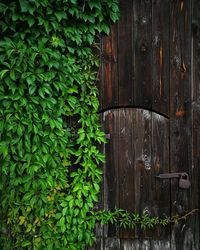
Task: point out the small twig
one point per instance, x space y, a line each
175 218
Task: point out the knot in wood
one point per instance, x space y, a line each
144 20
143 48
176 62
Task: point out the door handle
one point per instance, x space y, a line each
184 181
170 175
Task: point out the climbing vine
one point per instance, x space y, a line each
49 166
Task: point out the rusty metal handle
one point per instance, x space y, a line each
171 175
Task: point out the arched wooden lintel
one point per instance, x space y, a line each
132 107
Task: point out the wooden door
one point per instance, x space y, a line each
150 99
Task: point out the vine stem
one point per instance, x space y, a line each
175 218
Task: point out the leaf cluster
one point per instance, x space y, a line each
49 127
124 219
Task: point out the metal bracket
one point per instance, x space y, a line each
170 175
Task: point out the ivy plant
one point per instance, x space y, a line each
50 174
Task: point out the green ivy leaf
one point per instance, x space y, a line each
3 72
24 5
61 15
105 28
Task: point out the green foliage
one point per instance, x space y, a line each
124 219
49 167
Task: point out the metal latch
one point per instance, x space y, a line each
184 181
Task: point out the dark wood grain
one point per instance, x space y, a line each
109 70
134 157
111 180
126 165
160 164
160 55
195 199
125 53
143 53
144 245
150 87
180 115
143 165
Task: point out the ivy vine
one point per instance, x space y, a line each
49 169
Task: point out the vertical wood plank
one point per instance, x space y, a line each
180 115
111 193
126 165
195 220
160 55
143 53
143 166
125 53
139 162
160 164
108 86
195 196
145 244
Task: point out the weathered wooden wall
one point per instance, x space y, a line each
150 106
135 57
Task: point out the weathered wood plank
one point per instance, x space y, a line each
112 243
111 179
125 53
195 199
143 165
145 245
160 164
160 55
195 196
180 115
143 53
196 51
126 165
108 86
